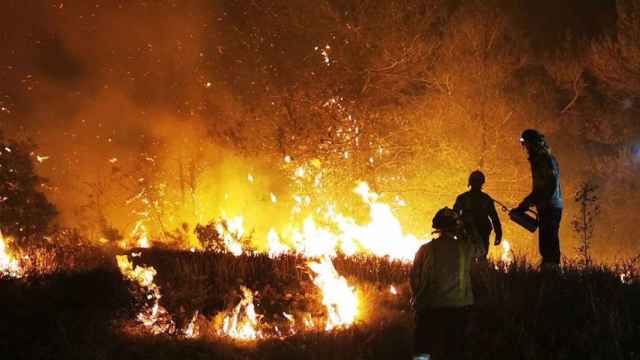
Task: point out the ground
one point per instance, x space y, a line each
521 313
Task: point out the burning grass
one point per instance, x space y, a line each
521 312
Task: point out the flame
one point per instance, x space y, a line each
232 231
338 297
626 277
192 330
140 235
507 254
276 248
9 266
382 236
392 290
242 322
154 317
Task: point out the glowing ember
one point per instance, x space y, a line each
9 266
242 322
338 297
393 290
154 317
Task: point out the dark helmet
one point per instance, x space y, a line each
445 218
534 140
476 178
531 136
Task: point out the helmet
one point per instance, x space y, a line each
476 177
531 136
445 218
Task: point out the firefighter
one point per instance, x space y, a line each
441 287
478 212
546 195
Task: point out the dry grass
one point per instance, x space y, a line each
521 312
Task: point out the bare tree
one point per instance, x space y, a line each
584 221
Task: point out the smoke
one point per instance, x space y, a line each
162 110
126 101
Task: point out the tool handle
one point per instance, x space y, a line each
506 209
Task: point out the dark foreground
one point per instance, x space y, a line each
522 313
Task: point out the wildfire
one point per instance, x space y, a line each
338 297
9 266
242 322
154 317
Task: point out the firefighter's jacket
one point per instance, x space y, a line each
479 210
545 173
440 276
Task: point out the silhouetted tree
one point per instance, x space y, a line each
584 221
24 209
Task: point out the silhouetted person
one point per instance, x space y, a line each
546 195
478 212
441 286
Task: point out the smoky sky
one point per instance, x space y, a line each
90 81
159 52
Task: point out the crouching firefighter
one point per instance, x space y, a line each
478 213
441 286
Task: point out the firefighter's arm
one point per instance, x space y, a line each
495 221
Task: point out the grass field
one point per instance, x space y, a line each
89 311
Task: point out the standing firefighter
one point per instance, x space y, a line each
441 286
546 195
478 212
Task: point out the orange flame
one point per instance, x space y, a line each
9 266
154 317
338 297
242 322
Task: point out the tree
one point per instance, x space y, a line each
616 59
24 210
